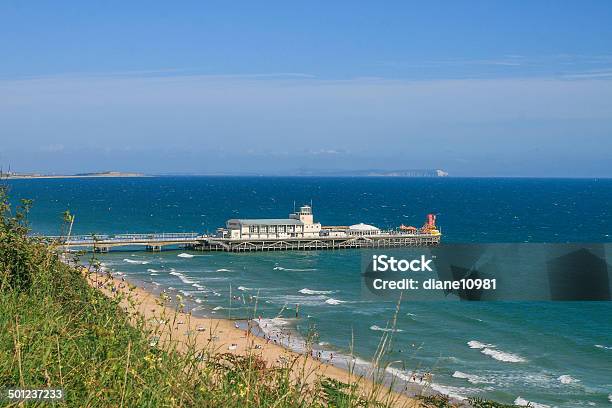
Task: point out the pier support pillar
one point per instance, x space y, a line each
154 248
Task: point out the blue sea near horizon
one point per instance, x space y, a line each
550 353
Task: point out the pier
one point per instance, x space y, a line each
299 232
194 241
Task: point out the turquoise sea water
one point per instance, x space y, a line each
551 353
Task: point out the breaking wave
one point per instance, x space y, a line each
135 262
567 379
182 277
472 378
184 255
332 301
384 329
453 392
185 279
478 345
522 402
223 270
280 268
307 291
491 351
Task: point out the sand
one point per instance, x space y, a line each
223 336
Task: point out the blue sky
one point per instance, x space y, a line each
478 88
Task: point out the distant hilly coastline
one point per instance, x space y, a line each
322 173
377 173
298 173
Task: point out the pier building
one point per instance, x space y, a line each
300 224
363 229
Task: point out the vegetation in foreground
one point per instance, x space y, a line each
58 332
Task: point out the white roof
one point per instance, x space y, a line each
363 227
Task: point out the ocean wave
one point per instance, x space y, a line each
198 286
601 346
280 268
182 277
522 402
567 379
307 291
491 351
217 308
198 300
135 262
223 270
243 288
478 345
184 255
472 378
332 301
458 393
502 355
276 330
306 300
384 329
185 279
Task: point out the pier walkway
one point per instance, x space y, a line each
103 243
195 241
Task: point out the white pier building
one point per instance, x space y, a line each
299 225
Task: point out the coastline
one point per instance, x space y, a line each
73 176
173 322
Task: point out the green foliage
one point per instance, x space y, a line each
483 403
438 401
18 254
339 394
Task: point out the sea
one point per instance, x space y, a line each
552 354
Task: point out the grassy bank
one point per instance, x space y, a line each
56 331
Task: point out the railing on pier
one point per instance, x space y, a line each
125 238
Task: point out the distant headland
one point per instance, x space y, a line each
15 175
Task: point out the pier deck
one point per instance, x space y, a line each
194 241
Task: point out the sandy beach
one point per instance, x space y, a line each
165 317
